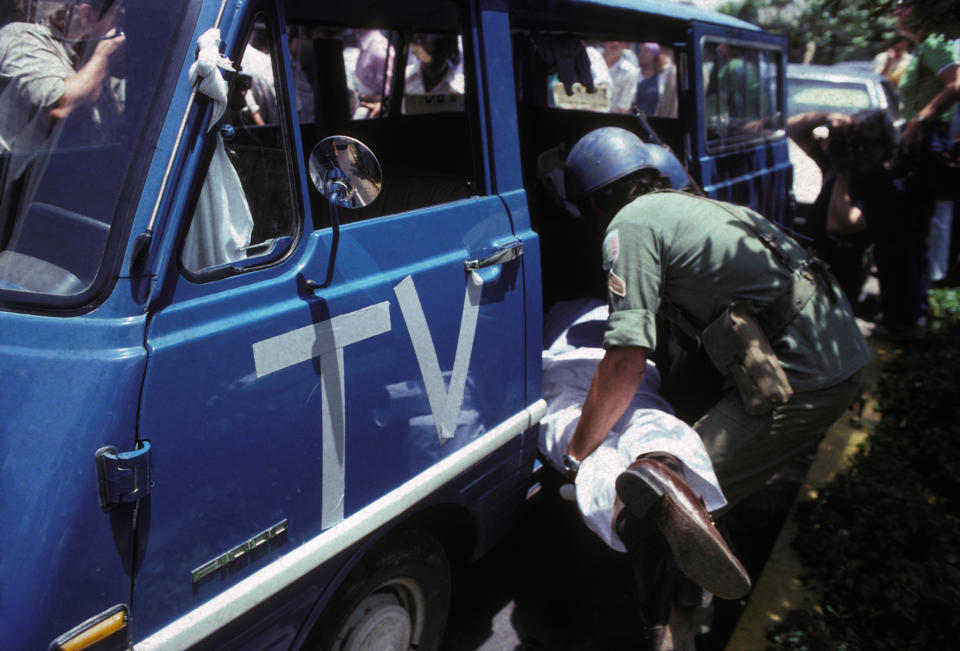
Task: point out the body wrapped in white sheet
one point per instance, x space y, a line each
573 336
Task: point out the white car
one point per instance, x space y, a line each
845 88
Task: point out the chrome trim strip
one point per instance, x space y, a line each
176 143
257 588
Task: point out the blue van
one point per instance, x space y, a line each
271 296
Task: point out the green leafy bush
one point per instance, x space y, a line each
880 543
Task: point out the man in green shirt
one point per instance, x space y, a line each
689 258
930 86
929 90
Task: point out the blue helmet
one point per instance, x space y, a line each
669 166
609 154
601 157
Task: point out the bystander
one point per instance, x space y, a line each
929 89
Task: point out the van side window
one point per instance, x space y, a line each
602 76
245 208
740 94
433 80
404 93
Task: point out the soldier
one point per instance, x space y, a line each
771 319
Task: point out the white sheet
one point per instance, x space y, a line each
573 334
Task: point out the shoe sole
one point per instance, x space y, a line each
699 555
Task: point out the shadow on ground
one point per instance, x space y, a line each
552 585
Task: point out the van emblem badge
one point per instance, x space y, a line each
223 560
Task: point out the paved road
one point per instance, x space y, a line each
528 593
553 586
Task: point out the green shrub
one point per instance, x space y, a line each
880 543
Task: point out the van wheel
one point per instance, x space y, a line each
395 599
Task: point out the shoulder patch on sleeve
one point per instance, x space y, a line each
611 249
616 284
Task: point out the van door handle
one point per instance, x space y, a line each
510 252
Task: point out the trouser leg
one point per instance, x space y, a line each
747 450
938 240
663 591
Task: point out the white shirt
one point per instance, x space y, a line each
624 75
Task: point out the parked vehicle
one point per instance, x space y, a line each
270 348
843 88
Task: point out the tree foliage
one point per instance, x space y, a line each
842 30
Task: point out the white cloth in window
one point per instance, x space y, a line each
222 222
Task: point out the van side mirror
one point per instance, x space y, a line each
346 172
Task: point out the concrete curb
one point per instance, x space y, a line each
778 590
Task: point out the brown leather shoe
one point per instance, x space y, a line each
650 489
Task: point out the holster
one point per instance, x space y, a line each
736 344
738 341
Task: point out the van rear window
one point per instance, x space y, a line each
823 95
741 94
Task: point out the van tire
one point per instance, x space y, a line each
397 597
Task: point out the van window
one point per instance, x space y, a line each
423 142
367 57
433 81
245 205
68 171
741 94
605 76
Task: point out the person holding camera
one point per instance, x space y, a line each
859 202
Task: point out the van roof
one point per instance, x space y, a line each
663 8
441 15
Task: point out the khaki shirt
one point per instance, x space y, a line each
696 254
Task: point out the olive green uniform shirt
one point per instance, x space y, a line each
921 80
698 255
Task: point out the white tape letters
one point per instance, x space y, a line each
445 402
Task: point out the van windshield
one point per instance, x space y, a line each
77 82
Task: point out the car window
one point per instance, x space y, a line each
823 95
65 166
433 79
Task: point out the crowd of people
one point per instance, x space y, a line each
633 76
892 192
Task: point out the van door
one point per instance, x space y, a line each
740 140
278 407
